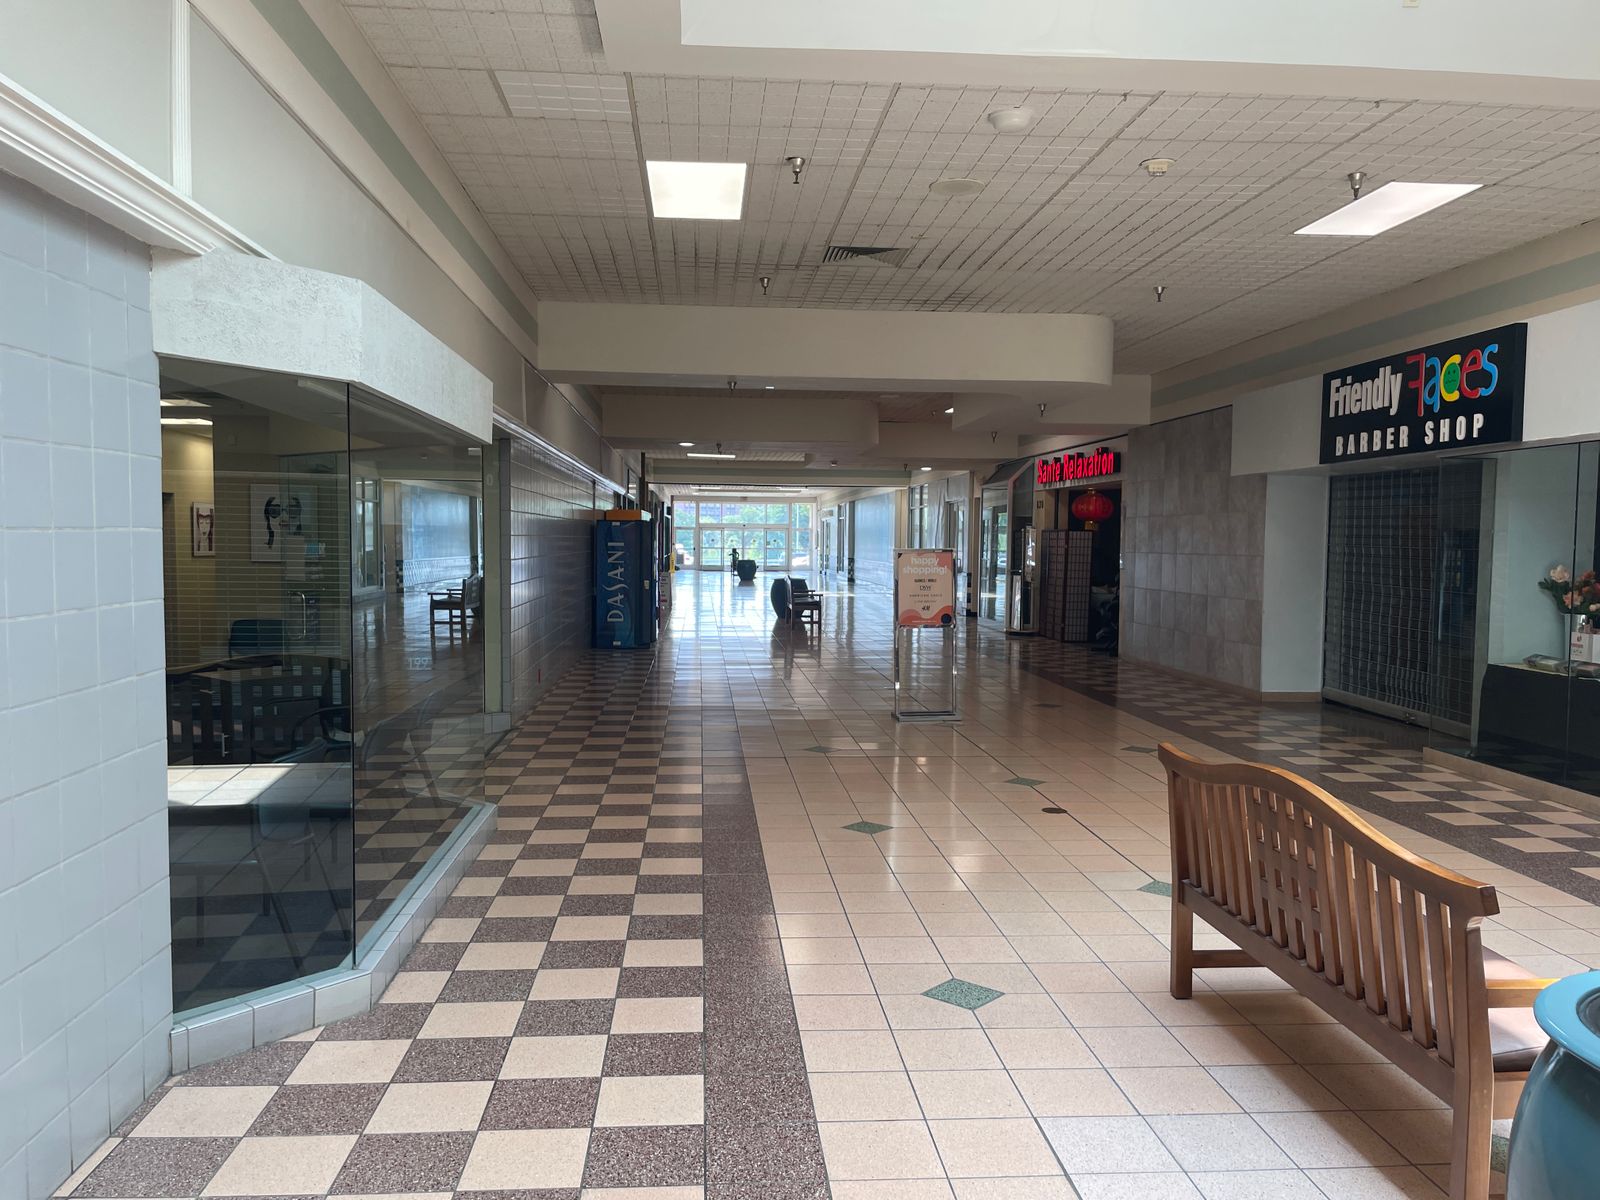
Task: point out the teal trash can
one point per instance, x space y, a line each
1555 1140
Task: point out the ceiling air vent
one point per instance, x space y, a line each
892 256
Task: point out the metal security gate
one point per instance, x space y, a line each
1402 592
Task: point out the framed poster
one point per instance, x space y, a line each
203 529
268 522
924 588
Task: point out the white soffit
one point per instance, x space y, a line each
1357 33
240 310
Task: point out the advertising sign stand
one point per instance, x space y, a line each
924 599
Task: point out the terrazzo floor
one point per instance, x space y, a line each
741 935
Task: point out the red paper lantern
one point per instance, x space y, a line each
1091 508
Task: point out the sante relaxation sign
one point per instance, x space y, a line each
1454 395
924 588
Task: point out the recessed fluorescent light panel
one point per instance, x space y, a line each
696 191
708 454
185 421
1392 204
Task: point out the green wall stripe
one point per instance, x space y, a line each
300 33
1355 345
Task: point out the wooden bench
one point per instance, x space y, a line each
1386 943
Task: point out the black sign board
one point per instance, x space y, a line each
1454 395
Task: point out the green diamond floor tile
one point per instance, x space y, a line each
963 994
1156 888
867 827
1024 781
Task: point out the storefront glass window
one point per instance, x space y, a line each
1516 681
324 713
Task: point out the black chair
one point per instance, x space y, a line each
455 603
255 638
804 604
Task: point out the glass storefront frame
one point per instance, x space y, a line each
1511 683
327 717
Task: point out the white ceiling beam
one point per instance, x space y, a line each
643 420
1092 412
704 346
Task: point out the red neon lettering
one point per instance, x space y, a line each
1469 366
1417 383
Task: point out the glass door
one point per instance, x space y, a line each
366 535
775 550
995 548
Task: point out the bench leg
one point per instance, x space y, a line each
1182 951
1469 1136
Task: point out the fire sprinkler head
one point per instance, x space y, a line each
1356 178
797 163
1161 290
766 282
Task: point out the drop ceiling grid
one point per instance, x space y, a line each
509 36
1066 221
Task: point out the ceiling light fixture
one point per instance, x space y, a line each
1156 167
1391 205
949 411
696 191
956 186
924 468
180 402
685 445
185 421
1011 120
770 387
708 454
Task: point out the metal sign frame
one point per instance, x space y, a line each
949 656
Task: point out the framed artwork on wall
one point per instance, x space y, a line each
267 522
203 524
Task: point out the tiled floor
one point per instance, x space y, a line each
741 935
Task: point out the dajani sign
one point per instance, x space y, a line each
1064 470
1459 394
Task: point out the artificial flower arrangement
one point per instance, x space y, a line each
1578 597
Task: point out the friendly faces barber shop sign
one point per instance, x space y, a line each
1454 395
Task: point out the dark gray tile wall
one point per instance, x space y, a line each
1192 543
548 512
85 931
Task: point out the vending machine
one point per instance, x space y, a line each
624 581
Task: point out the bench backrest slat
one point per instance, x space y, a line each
1384 930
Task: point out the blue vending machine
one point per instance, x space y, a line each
624 581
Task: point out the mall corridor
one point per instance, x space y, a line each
606 600
739 935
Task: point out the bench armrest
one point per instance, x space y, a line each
1515 993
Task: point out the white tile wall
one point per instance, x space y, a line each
85 955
